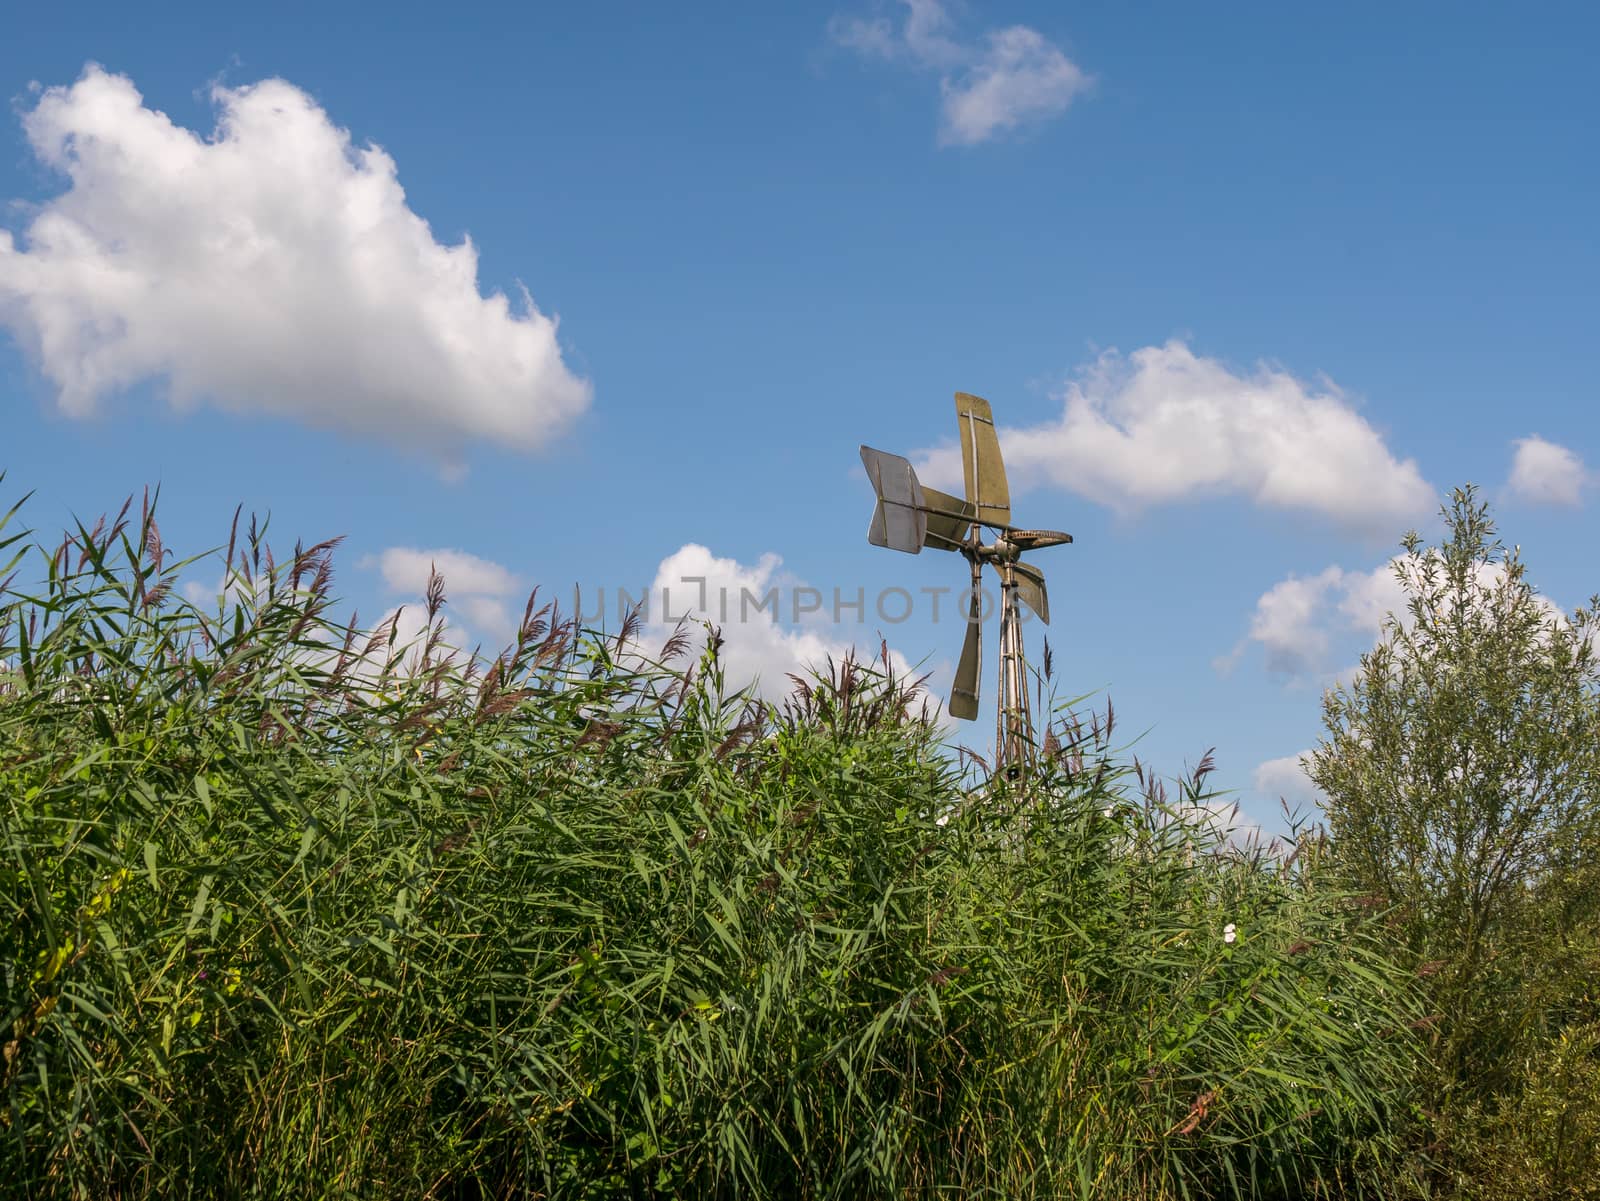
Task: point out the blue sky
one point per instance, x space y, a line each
1250 287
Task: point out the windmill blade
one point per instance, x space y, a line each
1030 587
964 693
981 464
878 531
949 519
899 522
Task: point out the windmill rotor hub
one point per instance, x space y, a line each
1001 550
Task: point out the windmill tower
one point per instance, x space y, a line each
910 516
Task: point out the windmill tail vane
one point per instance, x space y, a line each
910 516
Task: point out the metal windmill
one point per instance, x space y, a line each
910 516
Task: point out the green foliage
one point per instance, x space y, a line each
296 911
1539 1141
1461 768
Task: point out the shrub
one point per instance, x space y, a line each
1461 768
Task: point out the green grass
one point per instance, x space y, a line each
294 912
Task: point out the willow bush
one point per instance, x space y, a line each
295 910
1461 767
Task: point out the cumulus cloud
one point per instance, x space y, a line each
1546 473
411 633
1297 620
771 623
923 36
406 569
1286 779
1288 621
1164 424
1005 79
1019 77
273 267
479 590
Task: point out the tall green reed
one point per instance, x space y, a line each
296 909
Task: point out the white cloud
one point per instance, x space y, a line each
1287 622
488 615
700 586
1286 779
406 569
923 37
1296 620
771 624
1011 77
1366 599
273 267
478 589
1019 77
1545 473
1164 424
410 633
